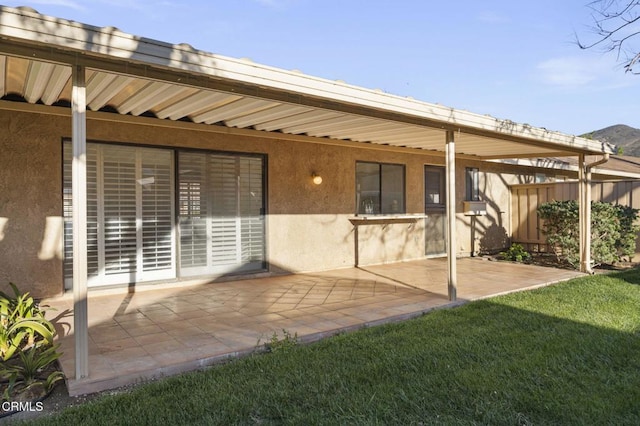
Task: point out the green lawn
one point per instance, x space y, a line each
566 354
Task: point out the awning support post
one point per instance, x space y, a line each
79 201
450 154
584 177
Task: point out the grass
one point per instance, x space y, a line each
566 354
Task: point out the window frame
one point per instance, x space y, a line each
359 207
472 183
442 187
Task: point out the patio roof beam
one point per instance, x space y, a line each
79 201
545 154
450 150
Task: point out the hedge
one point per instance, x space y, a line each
613 231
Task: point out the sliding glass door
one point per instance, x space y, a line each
132 207
220 213
129 214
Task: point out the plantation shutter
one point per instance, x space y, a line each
129 214
221 213
156 185
225 220
252 211
193 212
93 264
119 199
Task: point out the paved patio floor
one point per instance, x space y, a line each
148 334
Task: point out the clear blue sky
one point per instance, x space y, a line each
511 59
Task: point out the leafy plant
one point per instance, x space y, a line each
33 362
32 370
516 253
629 229
27 351
23 335
613 231
22 324
277 344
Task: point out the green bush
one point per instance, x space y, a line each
628 232
516 253
613 231
27 351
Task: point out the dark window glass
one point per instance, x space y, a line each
434 186
380 188
472 184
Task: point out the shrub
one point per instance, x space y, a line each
613 231
26 347
516 253
626 243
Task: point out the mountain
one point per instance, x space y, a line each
622 136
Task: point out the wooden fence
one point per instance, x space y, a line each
525 199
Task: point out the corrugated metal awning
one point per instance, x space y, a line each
134 76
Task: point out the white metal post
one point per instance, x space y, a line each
587 220
450 152
79 201
582 213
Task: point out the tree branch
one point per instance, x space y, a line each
615 26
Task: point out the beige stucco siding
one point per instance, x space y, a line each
30 201
308 226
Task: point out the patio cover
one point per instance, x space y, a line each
61 67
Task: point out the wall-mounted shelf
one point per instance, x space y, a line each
384 219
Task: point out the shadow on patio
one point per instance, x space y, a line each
154 333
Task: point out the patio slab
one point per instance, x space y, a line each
139 336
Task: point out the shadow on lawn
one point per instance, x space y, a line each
498 363
631 276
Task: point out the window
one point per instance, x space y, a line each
434 191
380 188
472 184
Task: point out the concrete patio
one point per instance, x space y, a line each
160 332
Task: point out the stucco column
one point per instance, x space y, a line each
79 202
450 153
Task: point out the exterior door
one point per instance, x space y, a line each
435 211
130 215
221 213
132 206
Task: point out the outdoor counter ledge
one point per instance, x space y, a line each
363 220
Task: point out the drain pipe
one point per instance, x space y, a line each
586 222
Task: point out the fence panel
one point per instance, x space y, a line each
525 199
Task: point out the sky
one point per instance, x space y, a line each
515 60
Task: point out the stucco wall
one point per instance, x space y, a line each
491 232
308 226
30 202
